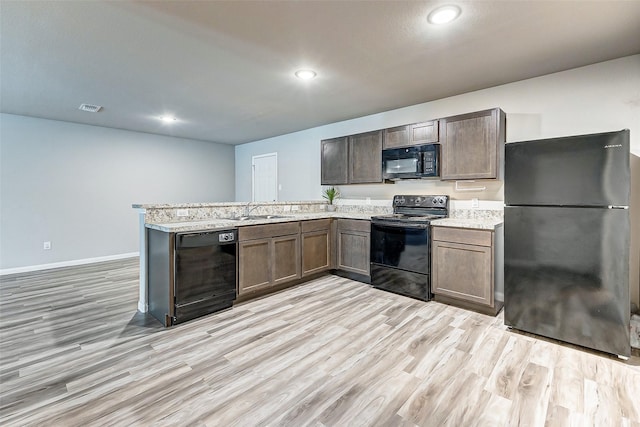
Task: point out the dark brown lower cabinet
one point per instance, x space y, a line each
467 267
316 246
353 246
268 255
254 261
274 255
286 258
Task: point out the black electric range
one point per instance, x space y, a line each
401 245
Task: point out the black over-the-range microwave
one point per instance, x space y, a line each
421 161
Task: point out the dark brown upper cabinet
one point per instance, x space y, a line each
335 161
473 145
354 159
408 135
365 158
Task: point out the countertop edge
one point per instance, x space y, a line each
223 224
478 224
222 204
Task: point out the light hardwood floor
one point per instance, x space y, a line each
331 352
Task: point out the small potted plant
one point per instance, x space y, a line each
331 193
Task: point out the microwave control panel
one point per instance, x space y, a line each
429 162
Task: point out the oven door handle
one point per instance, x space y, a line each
399 224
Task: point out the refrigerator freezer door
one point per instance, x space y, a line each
567 275
587 170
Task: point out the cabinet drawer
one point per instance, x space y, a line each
315 225
354 225
462 235
251 232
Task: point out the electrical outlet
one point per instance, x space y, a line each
368 200
295 207
287 208
475 203
182 212
46 246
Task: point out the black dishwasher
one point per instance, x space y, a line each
190 274
205 273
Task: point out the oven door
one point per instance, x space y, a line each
401 246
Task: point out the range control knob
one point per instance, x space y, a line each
418 200
401 201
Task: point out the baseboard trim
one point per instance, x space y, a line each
71 263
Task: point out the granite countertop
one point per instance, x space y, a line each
222 224
220 204
478 223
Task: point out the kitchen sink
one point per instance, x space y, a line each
253 217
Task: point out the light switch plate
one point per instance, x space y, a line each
475 203
182 212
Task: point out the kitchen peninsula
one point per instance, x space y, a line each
280 244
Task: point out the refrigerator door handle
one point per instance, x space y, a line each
617 207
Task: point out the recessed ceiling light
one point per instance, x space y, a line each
305 74
444 14
168 119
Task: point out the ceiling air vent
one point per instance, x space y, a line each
90 108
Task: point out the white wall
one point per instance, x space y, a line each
74 185
597 98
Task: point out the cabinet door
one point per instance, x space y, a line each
254 265
353 251
408 135
335 161
365 161
286 258
424 133
463 271
397 137
315 252
472 145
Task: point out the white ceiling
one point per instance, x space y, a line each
225 68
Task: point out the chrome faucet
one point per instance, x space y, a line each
247 211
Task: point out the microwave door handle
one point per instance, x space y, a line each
421 163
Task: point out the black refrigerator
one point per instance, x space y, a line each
567 234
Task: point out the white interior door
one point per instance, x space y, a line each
265 177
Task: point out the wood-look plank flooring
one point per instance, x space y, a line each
331 352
